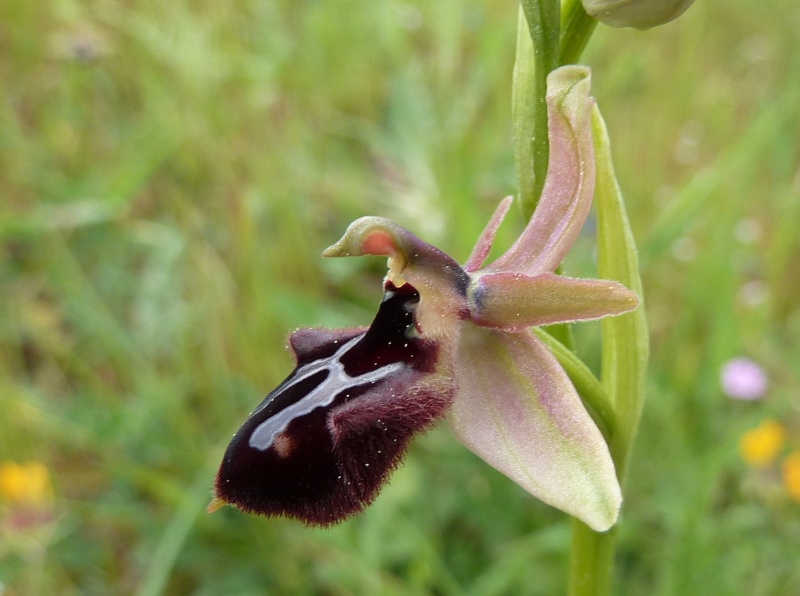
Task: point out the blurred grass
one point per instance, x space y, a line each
169 174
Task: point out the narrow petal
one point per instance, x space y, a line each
440 281
485 240
514 301
567 193
517 410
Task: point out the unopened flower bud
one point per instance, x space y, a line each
641 14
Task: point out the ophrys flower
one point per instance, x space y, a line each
446 339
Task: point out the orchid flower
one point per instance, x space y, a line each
446 341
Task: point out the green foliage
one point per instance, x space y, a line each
169 174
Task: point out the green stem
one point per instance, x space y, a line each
537 56
591 561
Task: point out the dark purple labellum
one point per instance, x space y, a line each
320 446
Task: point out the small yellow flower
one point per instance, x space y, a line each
791 475
760 446
26 484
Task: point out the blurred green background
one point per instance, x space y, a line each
170 173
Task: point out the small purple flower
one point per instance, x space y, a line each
447 340
742 378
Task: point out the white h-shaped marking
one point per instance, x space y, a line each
336 382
